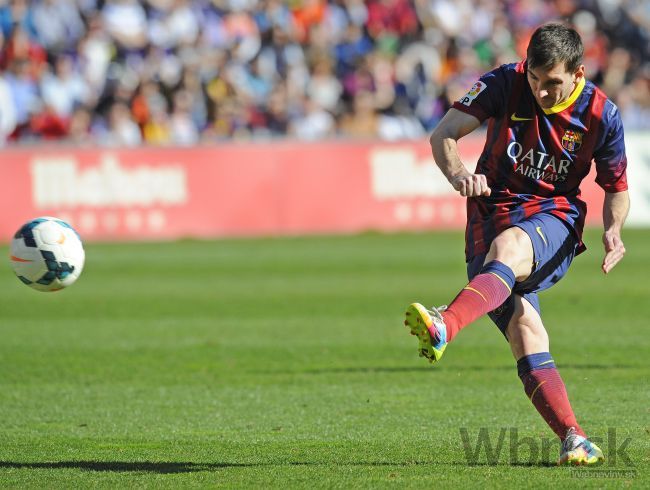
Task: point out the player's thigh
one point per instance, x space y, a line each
554 247
525 330
514 248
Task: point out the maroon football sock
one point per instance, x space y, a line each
546 390
488 290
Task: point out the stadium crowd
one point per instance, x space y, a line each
123 72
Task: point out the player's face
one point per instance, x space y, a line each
553 86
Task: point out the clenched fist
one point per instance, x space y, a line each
471 185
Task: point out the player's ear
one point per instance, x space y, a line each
579 73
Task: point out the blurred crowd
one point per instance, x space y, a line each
126 72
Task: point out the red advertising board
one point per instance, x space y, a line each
237 190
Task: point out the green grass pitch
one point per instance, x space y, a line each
285 363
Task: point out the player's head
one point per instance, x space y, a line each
554 63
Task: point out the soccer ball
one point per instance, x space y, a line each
47 254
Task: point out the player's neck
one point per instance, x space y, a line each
575 93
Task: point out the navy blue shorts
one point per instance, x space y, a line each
554 246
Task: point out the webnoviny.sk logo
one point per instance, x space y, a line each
488 448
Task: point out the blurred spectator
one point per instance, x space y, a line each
24 93
20 47
634 102
122 130
156 129
399 124
182 126
17 14
94 51
48 125
275 119
323 88
7 111
391 18
179 72
65 88
363 121
315 124
58 25
126 22
79 130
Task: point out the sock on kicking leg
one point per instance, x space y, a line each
487 291
545 388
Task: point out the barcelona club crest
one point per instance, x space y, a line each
572 140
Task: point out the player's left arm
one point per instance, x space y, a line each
615 209
611 165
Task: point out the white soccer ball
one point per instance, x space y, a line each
47 254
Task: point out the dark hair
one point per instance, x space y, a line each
551 44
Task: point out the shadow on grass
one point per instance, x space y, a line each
425 367
539 464
386 369
144 466
186 467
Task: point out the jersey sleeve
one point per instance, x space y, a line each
488 96
610 157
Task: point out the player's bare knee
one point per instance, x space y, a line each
522 328
513 248
526 337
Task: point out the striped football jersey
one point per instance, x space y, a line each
535 159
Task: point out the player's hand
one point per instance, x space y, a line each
471 185
614 250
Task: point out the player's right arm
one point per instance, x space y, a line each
444 146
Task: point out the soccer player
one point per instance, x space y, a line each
524 213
